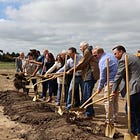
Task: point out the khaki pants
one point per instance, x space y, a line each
113 105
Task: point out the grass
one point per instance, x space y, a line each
7 65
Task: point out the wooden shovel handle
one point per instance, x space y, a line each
45 80
108 87
63 81
127 92
98 100
88 100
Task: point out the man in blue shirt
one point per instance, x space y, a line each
113 64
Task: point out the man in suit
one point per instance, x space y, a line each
134 82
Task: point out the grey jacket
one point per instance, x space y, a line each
134 73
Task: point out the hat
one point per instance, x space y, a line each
33 50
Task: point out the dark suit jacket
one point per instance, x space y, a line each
134 73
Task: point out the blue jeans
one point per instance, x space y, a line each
59 90
87 92
135 113
44 88
78 81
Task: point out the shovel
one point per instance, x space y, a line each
60 109
81 108
84 107
109 130
88 100
32 86
98 100
128 135
41 81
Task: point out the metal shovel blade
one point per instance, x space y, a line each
35 98
109 131
60 110
130 136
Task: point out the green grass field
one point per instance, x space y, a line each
7 65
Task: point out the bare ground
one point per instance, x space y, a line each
23 119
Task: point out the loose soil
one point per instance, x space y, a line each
23 119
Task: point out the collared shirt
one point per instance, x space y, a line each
70 64
113 65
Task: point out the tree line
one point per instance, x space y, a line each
8 57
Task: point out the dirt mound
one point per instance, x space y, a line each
46 123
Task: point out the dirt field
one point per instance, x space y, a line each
23 119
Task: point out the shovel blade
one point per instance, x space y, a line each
60 110
109 131
130 136
35 98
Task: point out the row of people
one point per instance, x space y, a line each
91 66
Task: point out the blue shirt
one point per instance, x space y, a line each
41 58
113 65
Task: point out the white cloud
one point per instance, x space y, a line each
57 24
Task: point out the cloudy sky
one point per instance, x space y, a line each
60 24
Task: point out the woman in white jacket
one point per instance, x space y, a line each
59 63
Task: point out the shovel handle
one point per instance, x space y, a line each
63 81
45 80
127 92
98 100
108 87
88 100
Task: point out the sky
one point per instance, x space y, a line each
57 25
